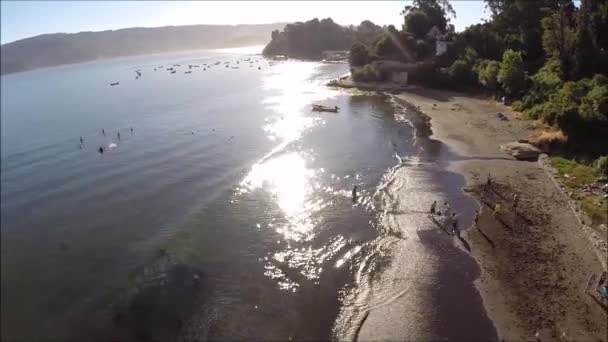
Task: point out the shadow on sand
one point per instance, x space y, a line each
487 238
604 306
464 243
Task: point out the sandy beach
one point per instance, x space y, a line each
534 261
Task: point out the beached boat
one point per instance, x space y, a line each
321 108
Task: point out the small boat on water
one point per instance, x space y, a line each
321 108
173 71
187 72
115 83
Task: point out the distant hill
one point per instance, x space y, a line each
65 48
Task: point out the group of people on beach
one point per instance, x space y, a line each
101 149
452 218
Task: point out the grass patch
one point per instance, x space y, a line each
574 175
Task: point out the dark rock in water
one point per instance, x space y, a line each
159 303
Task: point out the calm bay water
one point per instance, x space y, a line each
227 168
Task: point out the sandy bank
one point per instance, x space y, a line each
535 262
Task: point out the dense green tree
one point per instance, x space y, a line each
487 73
583 50
418 23
462 71
424 49
309 39
511 73
558 34
367 32
519 23
388 47
484 38
359 55
591 38
436 12
546 81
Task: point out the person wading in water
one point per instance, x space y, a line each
433 207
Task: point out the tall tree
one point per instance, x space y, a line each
584 48
437 12
558 34
511 73
519 22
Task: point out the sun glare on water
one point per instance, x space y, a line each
284 174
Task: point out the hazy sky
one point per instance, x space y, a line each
22 19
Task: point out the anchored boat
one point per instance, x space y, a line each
321 108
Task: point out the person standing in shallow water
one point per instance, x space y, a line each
118 135
433 207
476 219
354 193
455 229
131 130
103 131
446 208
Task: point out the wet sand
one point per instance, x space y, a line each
535 262
425 275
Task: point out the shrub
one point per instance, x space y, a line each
594 106
600 79
487 73
517 106
602 164
386 46
511 73
545 82
367 73
460 72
